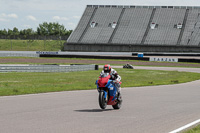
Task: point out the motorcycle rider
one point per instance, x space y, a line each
114 76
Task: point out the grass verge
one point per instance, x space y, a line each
194 130
30 83
31 45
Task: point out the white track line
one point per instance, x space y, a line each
185 127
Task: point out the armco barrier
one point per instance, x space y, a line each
18 55
46 68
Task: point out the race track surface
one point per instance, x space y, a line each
154 109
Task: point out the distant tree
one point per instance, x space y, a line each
15 31
1 32
51 29
39 32
10 32
29 31
4 32
42 29
68 32
22 32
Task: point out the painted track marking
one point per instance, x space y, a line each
186 126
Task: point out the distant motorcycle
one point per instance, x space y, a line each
107 92
128 66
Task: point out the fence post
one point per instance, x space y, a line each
11 44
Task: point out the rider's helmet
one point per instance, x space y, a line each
107 68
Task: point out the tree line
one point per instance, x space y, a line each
44 29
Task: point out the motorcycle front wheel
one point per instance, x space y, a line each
102 100
118 104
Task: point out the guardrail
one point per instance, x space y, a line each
18 55
46 68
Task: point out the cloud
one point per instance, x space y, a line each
3 15
60 18
3 20
6 17
12 15
30 17
26 26
77 17
71 25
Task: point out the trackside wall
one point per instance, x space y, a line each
128 48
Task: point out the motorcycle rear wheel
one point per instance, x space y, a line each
102 100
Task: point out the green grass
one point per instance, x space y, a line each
30 83
194 130
30 45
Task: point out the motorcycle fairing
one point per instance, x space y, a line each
112 93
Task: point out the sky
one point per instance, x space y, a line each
25 14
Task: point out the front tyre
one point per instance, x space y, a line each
102 100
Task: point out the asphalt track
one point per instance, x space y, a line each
154 109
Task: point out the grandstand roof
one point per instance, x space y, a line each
138 6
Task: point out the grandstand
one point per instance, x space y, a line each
137 29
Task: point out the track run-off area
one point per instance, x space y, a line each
151 109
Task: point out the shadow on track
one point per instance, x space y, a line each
93 110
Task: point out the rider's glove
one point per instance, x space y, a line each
113 77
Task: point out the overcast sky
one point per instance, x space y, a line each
30 13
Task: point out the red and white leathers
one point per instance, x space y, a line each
115 77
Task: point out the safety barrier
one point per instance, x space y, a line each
46 68
18 55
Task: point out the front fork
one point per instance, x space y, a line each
105 94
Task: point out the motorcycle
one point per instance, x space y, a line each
108 94
128 66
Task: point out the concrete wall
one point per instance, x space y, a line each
128 48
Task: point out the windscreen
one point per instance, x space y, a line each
103 75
